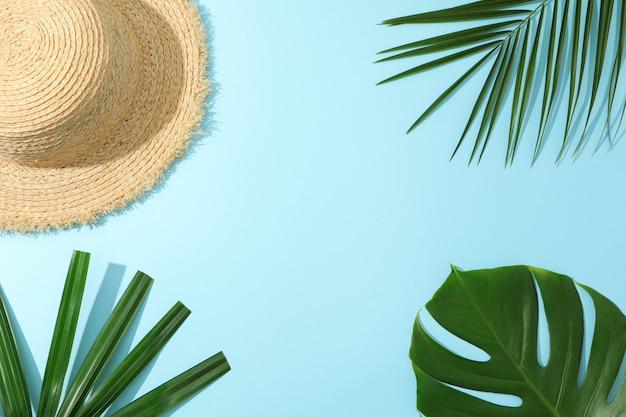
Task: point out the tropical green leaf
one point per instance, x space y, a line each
63 337
557 52
446 94
574 92
477 10
497 311
441 61
134 362
82 398
452 40
105 344
177 389
14 396
519 102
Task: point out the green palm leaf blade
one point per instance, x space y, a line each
104 395
618 62
446 94
605 13
548 86
516 111
105 343
497 311
63 337
572 42
491 108
14 398
471 11
441 61
560 54
455 38
574 92
502 81
487 86
531 74
177 389
611 99
586 40
459 40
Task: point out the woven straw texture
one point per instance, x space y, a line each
97 98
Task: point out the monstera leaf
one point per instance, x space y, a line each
548 60
496 310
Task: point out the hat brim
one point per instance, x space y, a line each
135 151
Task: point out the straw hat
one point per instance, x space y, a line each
97 98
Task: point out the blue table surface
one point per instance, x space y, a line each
306 229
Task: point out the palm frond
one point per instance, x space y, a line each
555 64
84 398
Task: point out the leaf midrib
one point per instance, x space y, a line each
508 354
524 21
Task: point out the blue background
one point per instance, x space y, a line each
305 230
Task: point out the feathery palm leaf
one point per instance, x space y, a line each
84 398
543 54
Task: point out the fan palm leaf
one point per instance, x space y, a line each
557 62
84 397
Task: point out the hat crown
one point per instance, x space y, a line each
98 98
66 72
